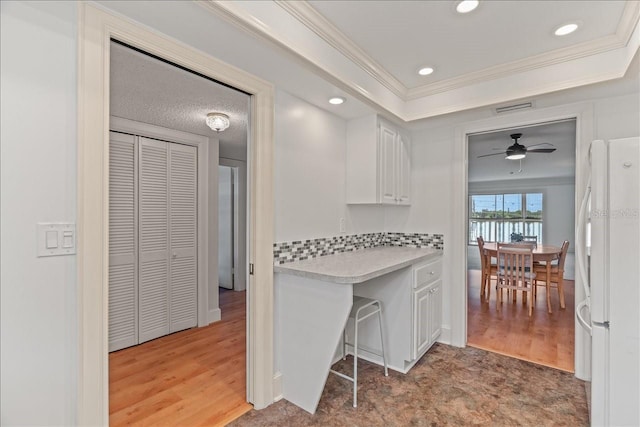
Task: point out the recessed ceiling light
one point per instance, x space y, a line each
336 100
425 71
467 6
566 29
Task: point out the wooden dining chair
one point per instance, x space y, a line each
488 270
515 272
556 275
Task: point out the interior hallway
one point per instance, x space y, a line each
543 338
192 377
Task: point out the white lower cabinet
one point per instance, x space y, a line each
412 309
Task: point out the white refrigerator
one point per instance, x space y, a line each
610 271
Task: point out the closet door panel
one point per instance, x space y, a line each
183 236
123 296
154 240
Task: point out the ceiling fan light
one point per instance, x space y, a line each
515 156
217 121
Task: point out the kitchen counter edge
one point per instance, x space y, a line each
330 268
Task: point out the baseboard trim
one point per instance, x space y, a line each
214 315
445 335
277 386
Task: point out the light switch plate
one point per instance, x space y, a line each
56 239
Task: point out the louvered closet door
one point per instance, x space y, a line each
153 285
123 293
183 236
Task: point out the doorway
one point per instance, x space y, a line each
164 288
226 226
232 225
97 27
533 196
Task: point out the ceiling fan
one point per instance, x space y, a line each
519 151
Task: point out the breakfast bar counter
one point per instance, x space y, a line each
313 299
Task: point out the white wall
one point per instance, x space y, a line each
38 339
309 170
433 195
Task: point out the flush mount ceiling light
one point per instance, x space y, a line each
336 100
467 6
425 71
566 29
217 121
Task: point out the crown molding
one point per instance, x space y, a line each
303 12
242 19
628 22
323 28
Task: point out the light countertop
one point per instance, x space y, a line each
357 266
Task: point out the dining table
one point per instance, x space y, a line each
541 253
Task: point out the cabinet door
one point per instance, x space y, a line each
421 332
123 289
403 184
387 161
435 311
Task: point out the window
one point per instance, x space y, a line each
496 216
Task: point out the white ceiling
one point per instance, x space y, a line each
559 164
368 52
402 36
502 51
148 90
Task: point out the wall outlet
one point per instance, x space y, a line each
342 225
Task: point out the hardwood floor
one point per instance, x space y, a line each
195 377
543 338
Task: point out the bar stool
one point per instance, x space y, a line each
362 309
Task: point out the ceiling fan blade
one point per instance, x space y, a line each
542 150
494 154
548 144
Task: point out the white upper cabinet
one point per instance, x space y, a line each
378 162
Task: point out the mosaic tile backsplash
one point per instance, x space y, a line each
297 250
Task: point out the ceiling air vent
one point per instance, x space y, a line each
514 107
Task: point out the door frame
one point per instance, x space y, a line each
240 222
584 116
96 28
207 190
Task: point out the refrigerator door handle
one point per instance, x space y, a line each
586 326
580 245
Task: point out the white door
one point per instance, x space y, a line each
153 289
225 227
123 289
183 237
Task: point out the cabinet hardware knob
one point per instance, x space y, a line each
432 273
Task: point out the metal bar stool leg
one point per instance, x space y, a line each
384 353
355 364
